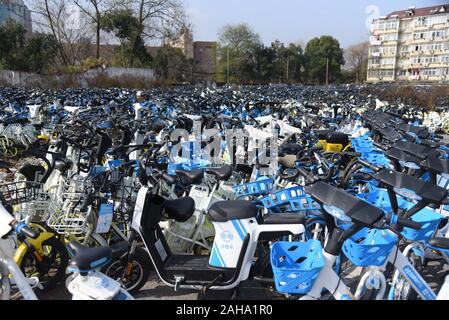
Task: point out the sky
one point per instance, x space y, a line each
294 20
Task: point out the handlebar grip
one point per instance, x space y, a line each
408 223
22 228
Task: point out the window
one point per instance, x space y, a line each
387 61
432 72
439 19
421 22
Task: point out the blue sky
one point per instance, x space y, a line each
294 20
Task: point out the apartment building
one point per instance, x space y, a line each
15 10
411 46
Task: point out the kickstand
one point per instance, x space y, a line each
218 279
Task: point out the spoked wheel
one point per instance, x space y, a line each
50 267
133 275
402 289
446 127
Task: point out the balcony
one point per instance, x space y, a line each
376 42
375 54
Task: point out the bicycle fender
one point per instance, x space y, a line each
36 243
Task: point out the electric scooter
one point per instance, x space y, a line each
239 228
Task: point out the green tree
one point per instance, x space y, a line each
319 52
132 51
172 65
237 48
12 35
295 63
39 52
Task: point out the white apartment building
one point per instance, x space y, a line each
410 45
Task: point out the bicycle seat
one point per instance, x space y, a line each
222 173
400 155
439 243
360 212
422 133
284 218
224 211
417 149
425 190
436 165
390 134
180 210
86 259
63 164
191 177
290 149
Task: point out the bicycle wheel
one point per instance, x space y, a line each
50 268
402 289
136 274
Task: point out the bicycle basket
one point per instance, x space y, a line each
65 216
294 199
296 265
263 185
429 220
16 193
369 247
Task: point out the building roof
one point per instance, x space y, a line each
420 12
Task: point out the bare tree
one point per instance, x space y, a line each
94 9
356 57
158 19
57 18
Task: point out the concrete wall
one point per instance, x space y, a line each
121 72
24 79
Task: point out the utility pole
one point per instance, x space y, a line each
227 76
327 71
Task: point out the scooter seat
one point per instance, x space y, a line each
180 210
191 177
439 243
225 211
223 173
284 218
87 259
